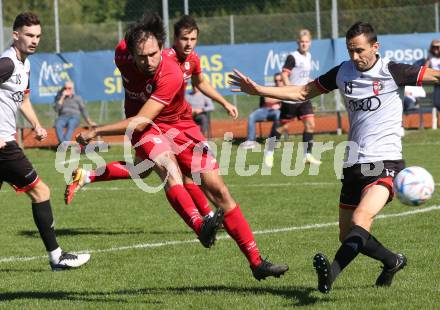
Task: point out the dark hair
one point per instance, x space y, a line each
360 28
25 19
185 22
150 24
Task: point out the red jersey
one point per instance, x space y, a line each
166 86
189 66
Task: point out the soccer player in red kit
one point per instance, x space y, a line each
186 33
171 142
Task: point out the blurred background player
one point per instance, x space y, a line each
433 62
269 110
161 122
296 71
201 107
374 104
69 106
15 168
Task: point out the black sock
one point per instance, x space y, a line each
374 249
43 218
350 248
308 139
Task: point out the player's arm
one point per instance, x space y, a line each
28 112
209 91
294 93
287 69
166 89
431 76
138 123
410 75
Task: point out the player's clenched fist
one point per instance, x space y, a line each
85 137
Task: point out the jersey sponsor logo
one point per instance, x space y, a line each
367 104
348 88
377 87
187 65
149 88
18 97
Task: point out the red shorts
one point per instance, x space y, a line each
187 144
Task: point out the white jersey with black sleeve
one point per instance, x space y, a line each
434 63
298 67
14 83
373 100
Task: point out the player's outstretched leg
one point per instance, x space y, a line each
324 271
386 276
116 170
238 228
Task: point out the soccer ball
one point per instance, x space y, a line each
414 185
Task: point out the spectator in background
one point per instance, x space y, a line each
69 106
269 110
433 62
201 106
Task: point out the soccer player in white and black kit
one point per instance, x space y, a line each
371 89
433 62
296 71
15 168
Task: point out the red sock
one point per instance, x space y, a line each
199 198
181 201
238 228
113 171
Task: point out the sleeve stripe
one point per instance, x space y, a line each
320 87
420 76
159 100
27 91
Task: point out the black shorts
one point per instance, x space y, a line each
355 181
300 110
16 169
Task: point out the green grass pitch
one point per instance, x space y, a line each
144 256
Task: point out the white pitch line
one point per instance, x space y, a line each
14 259
128 188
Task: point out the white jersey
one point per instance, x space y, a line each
12 90
434 63
373 100
298 66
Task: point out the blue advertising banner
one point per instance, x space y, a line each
97 78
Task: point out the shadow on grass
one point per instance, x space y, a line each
88 231
296 296
82 231
64 295
42 270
